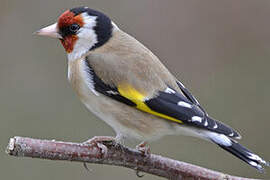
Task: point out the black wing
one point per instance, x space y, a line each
185 107
168 104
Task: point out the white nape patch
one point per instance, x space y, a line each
184 104
196 119
88 76
87 37
219 138
206 123
215 126
169 91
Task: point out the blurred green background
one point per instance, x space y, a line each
219 49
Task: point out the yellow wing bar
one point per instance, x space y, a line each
138 98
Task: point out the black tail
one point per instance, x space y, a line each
246 155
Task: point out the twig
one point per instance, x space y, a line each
116 154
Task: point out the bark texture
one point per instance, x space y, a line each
112 153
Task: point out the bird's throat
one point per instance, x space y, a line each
69 42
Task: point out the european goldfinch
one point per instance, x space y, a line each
124 84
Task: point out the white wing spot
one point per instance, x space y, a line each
184 104
215 126
169 91
206 123
196 119
231 134
112 92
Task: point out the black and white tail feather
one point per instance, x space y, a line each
241 152
227 141
186 108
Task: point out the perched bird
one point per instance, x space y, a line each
124 84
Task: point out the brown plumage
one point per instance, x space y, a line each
125 60
124 83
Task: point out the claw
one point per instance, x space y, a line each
86 167
99 140
138 174
143 148
104 149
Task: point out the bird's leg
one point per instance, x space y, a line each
143 148
119 138
98 141
86 167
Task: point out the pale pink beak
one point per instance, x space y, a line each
51 31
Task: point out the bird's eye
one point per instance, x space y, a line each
74 28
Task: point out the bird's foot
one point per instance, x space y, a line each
99 141
86 167
144 148
139 173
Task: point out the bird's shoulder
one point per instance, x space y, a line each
124 60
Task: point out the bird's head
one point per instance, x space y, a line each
80 30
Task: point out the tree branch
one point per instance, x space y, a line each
114 154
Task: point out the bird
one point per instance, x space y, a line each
124 84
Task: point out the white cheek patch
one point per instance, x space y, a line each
87 37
